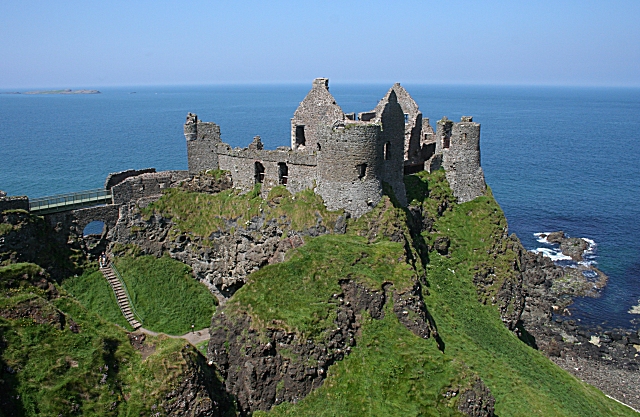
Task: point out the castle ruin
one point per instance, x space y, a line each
347 159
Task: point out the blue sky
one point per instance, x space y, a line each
84 44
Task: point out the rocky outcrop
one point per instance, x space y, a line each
224 259
263 368
198 393
573 247
477 401
28 238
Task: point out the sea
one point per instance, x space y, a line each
556 158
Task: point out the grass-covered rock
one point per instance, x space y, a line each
284 326
58 358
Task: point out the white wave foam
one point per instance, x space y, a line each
554 254
541 239
635 309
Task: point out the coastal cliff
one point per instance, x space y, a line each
403 311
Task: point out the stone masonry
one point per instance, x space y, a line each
345 159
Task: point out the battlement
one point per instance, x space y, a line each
346 159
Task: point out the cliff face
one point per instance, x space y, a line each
249 232
404 311
57 358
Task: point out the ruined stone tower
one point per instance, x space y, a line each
202 141
459 144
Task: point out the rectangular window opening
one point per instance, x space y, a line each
300 139
362 170
283 173
259 173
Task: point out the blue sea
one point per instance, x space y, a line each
556 158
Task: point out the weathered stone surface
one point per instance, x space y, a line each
477 401
197 391
14 203
31 239
265 368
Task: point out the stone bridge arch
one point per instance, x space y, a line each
74 221
107 214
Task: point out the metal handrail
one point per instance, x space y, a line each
126 292
69 199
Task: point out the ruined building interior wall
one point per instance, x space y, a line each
315 112
391 149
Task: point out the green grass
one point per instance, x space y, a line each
523 381
391 372
94 292
204 214
56 371
297 294
166 295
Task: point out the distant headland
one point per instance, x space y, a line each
66 91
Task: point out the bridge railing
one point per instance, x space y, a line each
72 199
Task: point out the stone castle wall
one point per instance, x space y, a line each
345 159
391 150
14 203
349 167
317 111
202 141
117 177
145 185
461 160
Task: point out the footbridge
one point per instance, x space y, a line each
72 201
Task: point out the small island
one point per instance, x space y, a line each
65 91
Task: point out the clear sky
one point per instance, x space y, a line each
84 44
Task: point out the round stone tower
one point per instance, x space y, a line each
349 167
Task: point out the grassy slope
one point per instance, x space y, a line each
203 214
392 372
165 294
523 381
58 370
297 294
94 292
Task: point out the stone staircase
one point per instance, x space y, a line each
121 296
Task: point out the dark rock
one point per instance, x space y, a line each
442 244
477 401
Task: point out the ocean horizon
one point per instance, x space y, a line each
556 158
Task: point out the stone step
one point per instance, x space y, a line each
121 297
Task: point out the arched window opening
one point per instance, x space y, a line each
259 174
95 228
406 118
319 147
300 139
446 141
387 147
283 173
362 170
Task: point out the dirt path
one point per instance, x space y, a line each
194 337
